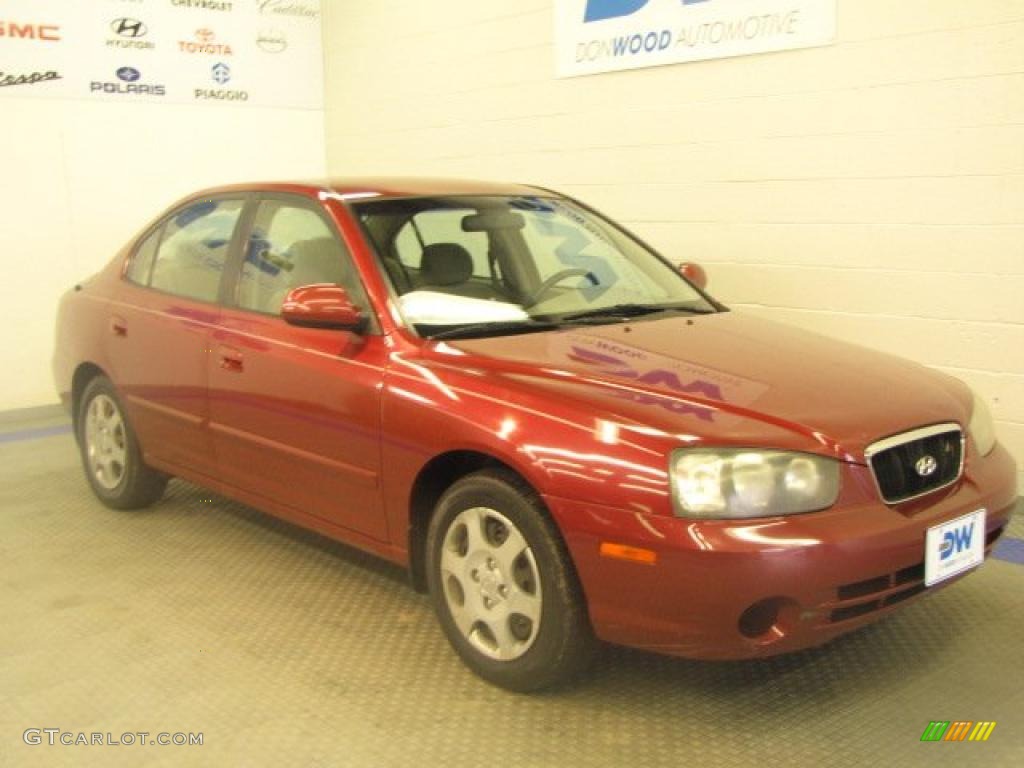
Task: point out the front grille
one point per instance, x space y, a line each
861 598
915 463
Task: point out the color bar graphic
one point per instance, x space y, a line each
958 730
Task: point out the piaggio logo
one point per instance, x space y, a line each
599 10
221 73
49 33
955 541
958 730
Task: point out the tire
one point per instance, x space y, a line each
110 451
503 586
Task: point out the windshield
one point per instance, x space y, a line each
488 265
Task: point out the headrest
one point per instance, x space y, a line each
318 260
446 264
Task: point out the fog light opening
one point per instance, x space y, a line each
767 620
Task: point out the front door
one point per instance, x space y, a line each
295 412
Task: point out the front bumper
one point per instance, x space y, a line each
741 589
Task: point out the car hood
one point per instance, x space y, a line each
725 378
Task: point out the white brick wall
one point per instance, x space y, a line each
872 190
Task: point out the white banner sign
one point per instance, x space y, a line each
594 36
266 53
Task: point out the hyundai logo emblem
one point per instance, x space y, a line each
128 27
926 466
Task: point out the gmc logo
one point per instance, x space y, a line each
47 32
599 10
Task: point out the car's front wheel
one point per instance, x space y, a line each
503 586
110 452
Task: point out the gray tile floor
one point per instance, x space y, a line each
283 649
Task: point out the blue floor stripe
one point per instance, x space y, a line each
1010 550
34 434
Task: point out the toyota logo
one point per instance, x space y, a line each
926 466
126 27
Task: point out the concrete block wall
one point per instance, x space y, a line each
872 189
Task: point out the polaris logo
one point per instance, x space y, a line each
129 85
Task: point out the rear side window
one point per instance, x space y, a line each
142 261
194 249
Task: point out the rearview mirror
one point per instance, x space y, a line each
323 305
694 273
488 221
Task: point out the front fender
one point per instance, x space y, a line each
560 448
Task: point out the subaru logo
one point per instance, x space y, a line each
926 466
221 73
128 74
128 27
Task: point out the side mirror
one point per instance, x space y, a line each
694 273
323 305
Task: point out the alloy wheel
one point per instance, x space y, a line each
105 442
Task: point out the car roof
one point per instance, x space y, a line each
356 188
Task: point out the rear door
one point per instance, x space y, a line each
295 412
159 329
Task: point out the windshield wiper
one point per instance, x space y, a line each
631 310
498 328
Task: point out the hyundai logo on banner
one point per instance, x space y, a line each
593 36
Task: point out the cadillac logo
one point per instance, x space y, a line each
926 466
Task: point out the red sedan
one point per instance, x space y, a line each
558 431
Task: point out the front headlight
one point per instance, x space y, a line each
741 483
981 428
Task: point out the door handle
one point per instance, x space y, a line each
118 326
230 359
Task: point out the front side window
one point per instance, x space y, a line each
194 249
291 245
481 265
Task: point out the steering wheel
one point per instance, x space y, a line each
552 281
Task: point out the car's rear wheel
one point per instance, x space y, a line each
503 586
110 452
